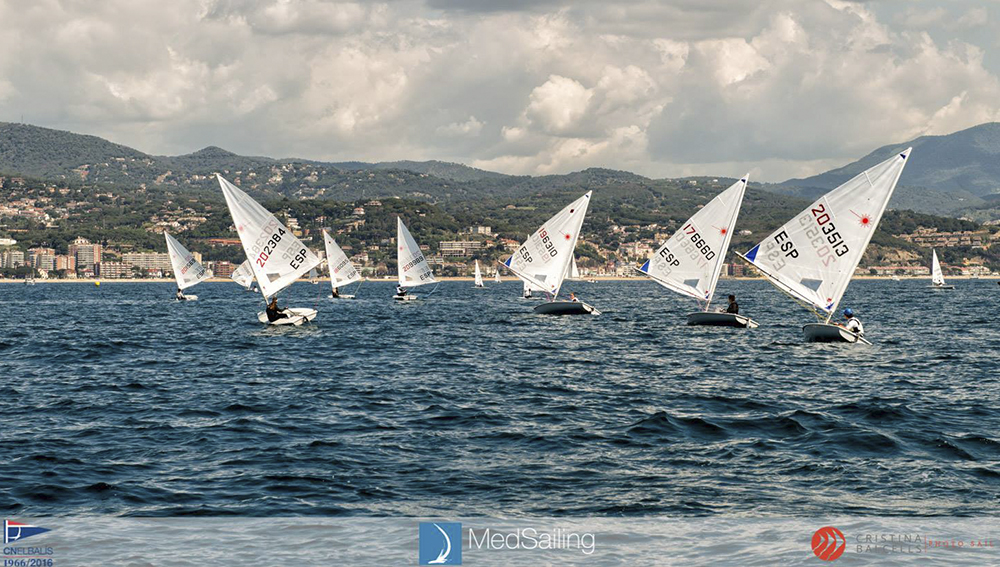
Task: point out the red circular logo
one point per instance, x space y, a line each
829 543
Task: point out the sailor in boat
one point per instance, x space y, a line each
573 297
335 293
733 307
400 291
272 311
527 293
853 324
180 295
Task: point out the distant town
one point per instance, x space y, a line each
121 231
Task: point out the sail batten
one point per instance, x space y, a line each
187 270
813 256
277 257
690 261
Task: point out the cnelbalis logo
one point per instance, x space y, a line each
16 531
440 543
829 543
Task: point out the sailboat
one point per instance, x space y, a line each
342 271
187 270
529 289
937 276
813 256
411 264
243 275
313 277
496 276
277 257
479 276
544 259
690 261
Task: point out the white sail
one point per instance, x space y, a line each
496 276
690 261
342 271
276 256
937 276
411 264
544 259
187 270
479 276
243 275
813 256
574 272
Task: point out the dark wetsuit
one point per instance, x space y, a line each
733 308
273 314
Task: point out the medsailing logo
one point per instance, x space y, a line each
440 543
14 531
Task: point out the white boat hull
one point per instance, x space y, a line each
942 287
826 333
298 316
188 298
407 297
721 320
342 296
566 308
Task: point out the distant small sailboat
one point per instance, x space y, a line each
187 270
574 272
479 276
243 275
544 259
813 256
411 266
277 258
937 275
496 276
529 288
342 271
894 278
313 277
690 261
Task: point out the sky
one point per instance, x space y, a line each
779 88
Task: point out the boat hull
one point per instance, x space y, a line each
404 298
299 315
942 287
721 320
826 333
342 296
188 298
566 308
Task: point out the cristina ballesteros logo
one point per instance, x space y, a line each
16 531
440 543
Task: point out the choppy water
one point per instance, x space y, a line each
119 400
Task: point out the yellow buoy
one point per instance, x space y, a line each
97 283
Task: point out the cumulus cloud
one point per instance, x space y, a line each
779 87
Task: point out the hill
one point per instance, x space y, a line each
946 174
